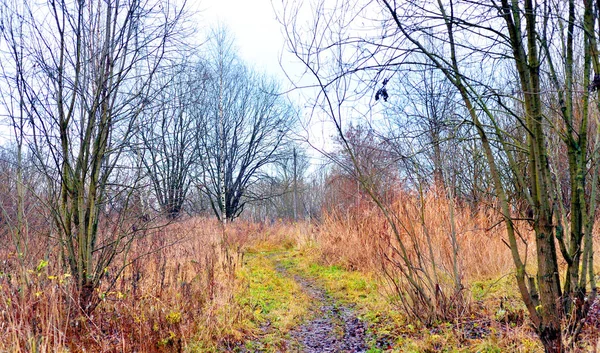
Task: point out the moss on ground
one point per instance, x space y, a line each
391 331
276 302
274 297
269 303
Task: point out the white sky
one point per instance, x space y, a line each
261 44
255 29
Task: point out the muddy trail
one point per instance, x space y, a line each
332 327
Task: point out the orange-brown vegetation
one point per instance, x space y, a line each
173 281
178 284
355 237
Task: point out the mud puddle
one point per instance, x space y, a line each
332 327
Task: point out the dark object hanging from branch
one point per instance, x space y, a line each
382 92
595 83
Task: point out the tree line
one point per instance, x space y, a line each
498 101
118 119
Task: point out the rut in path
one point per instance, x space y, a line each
332 327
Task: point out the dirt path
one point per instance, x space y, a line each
332 327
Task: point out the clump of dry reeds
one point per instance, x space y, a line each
175 283
355 237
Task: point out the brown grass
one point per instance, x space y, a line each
355 236
179 287
178 279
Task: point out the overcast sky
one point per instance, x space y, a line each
254 26
258 38
260 42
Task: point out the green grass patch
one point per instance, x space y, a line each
505 286
275 303
355 289
265 306
390 330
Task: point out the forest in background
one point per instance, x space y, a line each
150 180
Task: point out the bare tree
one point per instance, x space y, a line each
422 119
513 67
90 66
242 124
168 134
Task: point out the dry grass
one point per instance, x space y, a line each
173 292
180 288
355 237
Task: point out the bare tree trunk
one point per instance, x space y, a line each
223 144
295 195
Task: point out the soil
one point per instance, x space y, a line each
333 328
